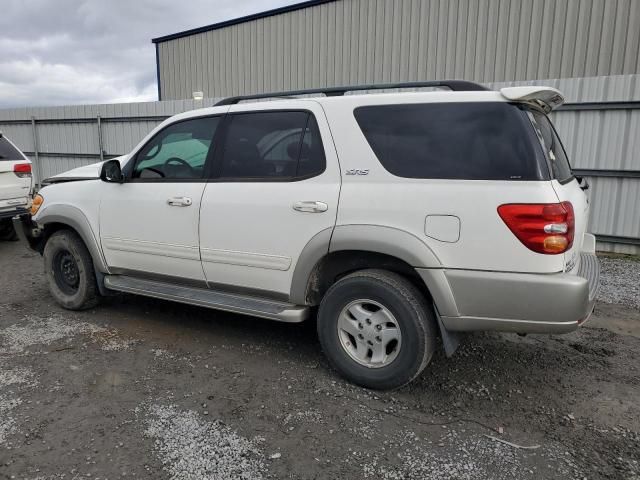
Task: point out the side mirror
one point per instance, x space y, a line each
111 172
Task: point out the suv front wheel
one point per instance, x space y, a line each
69 271
376 329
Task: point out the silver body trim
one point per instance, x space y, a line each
470 300
557 297
229 302
76 219
382 239
312 253
471 324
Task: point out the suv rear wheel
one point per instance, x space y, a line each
376 329
7 232
69 270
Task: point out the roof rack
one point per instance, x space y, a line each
454 85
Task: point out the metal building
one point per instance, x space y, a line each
341 42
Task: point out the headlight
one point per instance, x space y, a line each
37 202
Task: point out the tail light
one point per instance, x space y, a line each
544 228
22 170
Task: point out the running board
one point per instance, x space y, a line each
229 302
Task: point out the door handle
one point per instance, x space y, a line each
310 207
179 201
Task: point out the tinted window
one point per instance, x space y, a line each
8 151
312 159
473 141
266 145
552 146
177 152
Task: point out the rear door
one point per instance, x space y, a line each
275 186
15 176
564 183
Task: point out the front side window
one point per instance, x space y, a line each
552 146
177 152
467 141
272 146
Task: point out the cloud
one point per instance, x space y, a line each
95 51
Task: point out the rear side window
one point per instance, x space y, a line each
552 146
274 145
8 151
471 141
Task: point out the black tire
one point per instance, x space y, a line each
412 313
7 232
68 268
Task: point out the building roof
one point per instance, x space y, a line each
236 21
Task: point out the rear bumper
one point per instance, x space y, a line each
10 213
520 302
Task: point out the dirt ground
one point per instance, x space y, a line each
149 389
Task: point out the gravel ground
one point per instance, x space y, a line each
192 448
620 281
139 388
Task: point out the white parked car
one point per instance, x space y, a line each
15 186
405 217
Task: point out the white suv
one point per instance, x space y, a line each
403 216
15 186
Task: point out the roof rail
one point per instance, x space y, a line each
454 85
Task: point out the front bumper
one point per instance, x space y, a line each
521 302
28 231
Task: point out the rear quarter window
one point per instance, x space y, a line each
470 141
552 146
8 151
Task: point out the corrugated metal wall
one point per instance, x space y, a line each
595 139
375 41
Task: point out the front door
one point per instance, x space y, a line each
149 224
275 186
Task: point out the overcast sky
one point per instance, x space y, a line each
60 52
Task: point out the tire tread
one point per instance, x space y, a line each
91 296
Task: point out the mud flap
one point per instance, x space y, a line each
104 291
450 340
28 232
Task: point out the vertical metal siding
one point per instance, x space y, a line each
20 135
374 41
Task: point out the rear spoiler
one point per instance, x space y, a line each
547 98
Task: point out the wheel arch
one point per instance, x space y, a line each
59 217
335 265
331 255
